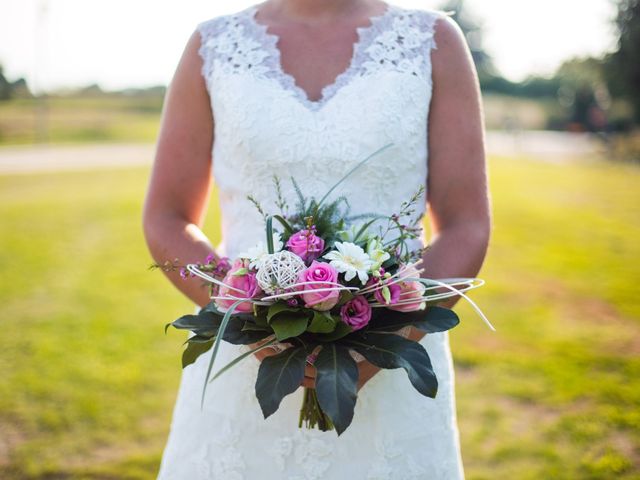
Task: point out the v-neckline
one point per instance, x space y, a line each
290 82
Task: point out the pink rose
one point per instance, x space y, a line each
306 244
245 281
356 312
410 290
319 272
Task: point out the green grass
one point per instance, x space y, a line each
80 119
88 378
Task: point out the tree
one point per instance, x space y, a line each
623 66
5 86
9 90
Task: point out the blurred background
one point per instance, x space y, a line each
87 376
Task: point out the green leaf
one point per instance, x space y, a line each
431 320
287 325
279 307
322 322
278 376
387 350
194 350
270 234
341 330
337 384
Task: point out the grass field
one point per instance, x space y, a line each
118 118
64 120
88 378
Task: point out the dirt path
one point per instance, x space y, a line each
55 158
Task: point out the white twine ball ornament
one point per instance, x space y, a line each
279 271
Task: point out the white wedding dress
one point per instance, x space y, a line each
266 124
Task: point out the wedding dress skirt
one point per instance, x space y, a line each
265 125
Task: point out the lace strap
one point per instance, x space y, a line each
216 35
404 44
208 30
426 22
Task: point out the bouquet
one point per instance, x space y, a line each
327 290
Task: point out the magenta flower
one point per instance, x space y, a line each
356 312
394 294
239 277
410 290
306 244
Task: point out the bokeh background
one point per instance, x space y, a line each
87 376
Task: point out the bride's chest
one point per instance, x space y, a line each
246 66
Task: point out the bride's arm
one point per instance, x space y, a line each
458 195
179 186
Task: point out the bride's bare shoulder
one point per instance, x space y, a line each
450 52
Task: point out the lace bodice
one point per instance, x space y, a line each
266 124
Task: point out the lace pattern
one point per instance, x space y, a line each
396 39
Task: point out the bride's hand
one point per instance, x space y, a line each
366 371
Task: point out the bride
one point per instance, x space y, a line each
308 88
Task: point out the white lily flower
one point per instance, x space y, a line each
258 252
350 259
376 251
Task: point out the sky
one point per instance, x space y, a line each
137 43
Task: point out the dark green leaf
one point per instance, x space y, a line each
278 376
193 351
199 339
388 350
322 322
337 384
431 320
248 326
213 308
235 333
204 320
